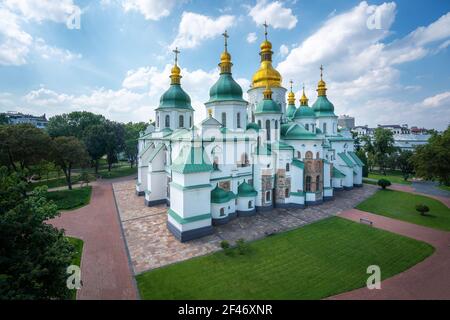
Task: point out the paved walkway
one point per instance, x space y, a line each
105 269
405 188
429 279
151 245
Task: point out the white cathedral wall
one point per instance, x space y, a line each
256 94
309 123
243 203
189 226
231 109
174 119
331 125
306 145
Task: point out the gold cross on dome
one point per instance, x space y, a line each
321 71
225 36
176 51
265 29
291 82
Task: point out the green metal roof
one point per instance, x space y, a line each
298 163
267 106
192 160
246 190
263 150
337 173
323 107
304 112
175 97
356 158
346 159
293 131
253 125
290 111
225 89
278 145
219 195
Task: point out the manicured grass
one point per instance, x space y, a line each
71 199
78 244
365 180
401 205
117 172
445 188
392 176
312 262
52 183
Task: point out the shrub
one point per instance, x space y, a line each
224 244
241 246
422 208
383 183
85 178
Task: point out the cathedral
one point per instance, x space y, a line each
246 156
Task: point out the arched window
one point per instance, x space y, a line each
224 119
181 121
157 121
190 121
276 124
244 160
299 154
309 155
287 167
317 155
216 163
317 183
307 127
253 116
167 122
238 119
222 212
308 184
250 204
324 128
267 196
286 193
268 129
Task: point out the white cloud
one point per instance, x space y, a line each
54 53
274 13
15 45
40 10
441 99
284 50
251 37
150 9
195 28
359 67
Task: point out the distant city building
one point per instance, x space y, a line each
346 121
17 118
395 128
410 141
416 130
363 130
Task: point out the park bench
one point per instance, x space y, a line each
366 221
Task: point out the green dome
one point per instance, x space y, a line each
291 109
225 88
323 107
290 131
267 106
246 190
218 195
304 112
175 97
253 125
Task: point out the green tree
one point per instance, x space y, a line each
3 119
132 131
73 124
33 254
68 153
404 162
383 147
362 156
432 161
23 145
115 141
95 139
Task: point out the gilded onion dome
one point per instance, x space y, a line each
225 88
266 74
322 106
290 111
304 111
175 96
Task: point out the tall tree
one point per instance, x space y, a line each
73 124
95 139
33 254
132 131
23 145
3 119
404 162
68 153
432 161
383 147
115 141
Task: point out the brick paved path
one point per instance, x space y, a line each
105 269
410 189
429 279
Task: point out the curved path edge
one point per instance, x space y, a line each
429 279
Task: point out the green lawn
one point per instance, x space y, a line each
78 244
444 187
392 176
365 180
312 262
401 205
52 183
117 172
70 199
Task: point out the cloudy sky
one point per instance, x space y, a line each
385 62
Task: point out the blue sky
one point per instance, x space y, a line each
394 70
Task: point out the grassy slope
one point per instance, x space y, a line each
401 205
392 176
78 244
445 188
312 262
71 199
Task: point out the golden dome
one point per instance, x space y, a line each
266 74
291 95
303 99
175 72
321 86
